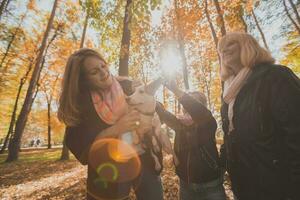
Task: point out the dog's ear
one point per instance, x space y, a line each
153 86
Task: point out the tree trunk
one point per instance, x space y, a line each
65 151
3 5
125 44
290 17
13 118
181 50
86 22
243 20
14 145
14 113
215 38
11 42
220 16
49 124
213 32
260 30
295 11
184 64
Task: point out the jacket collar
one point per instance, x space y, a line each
258 71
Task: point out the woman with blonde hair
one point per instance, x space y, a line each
261 121
93 107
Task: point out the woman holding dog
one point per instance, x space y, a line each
261 121
93 107
195 147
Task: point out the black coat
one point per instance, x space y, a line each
80 138
262 153
194 145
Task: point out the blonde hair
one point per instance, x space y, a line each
72 84
251 52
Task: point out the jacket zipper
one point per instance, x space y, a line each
188 168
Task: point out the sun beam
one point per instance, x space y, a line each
170 60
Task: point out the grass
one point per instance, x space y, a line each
33 155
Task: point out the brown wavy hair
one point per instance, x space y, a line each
72 84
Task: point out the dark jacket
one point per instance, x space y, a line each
80 138
194 145
262 153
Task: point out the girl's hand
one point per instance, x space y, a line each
136 83
128 122
171 85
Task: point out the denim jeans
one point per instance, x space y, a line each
212 190
149 187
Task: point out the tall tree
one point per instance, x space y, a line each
14 145
241 16
3 6
295 11
125 43
220 18
259 29
65 155
86 22
14 112
290 17
12 39
213 31
49 89
181 48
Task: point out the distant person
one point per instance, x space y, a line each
38 142
261 121
32 143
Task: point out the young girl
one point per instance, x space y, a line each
195 147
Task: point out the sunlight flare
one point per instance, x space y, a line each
171 61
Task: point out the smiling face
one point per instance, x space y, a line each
96 73
230 52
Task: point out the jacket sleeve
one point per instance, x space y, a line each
199 113
79 139
285 107
168 118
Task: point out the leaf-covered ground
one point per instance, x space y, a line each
38 175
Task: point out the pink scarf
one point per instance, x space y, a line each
110 104
232 87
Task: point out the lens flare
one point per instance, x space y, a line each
116 169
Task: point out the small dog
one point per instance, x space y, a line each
143 101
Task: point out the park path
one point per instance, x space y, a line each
67 180
61 183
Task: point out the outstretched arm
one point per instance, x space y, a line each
199 113
168 118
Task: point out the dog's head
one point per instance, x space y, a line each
143 97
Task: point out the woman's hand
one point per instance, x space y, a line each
128 122
136 83
171 85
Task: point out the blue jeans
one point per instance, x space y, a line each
212 190
149 187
